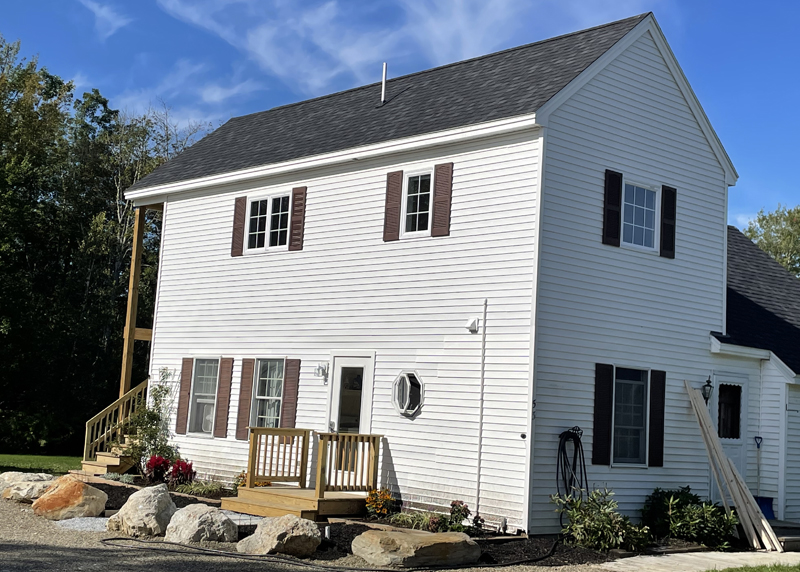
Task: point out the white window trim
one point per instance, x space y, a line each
209 435
715 411
397 408
268 197
646 464
254 398
657 222
428 170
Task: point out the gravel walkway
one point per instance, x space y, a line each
31 543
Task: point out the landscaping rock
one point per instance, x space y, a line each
285 535
26 492
415 548
9 478
198 522
69 497
146 513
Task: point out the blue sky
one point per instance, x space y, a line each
214 59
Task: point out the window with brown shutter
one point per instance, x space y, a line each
669 204
612 220
658 400
223 397
291 383
393 208
184 393
442 198
245 397
297 225
239 214
603 413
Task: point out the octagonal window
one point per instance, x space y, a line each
408 393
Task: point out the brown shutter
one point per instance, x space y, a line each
603 409
223 397
391 213
442 194
658 397
297 225
239 213
183 396
245 397
669 204
291 381
612 210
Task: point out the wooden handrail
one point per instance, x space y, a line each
347 462
278 455
106 426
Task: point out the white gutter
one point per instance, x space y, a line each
501 127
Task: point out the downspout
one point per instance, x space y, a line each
480 409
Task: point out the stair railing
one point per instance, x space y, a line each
278 455
106 427
347 462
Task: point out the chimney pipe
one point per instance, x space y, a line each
383 85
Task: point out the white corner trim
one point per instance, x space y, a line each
648 24
785 370
470 132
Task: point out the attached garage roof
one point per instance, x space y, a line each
763 301
497 86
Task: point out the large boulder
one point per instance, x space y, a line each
198 522
25 491
285 535
69 497
415 548
9 478
146 513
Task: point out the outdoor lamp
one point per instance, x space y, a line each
707 390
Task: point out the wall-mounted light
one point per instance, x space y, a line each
707 390
322 371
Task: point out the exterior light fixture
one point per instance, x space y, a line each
322 371
707 390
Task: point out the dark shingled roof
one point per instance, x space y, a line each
497 86
763 301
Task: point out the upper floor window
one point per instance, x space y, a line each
204 395
630 415
417 204
268 222
268 393
639 216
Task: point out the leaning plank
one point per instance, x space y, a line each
763 525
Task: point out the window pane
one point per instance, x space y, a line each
730 410
629 193
650 200
204 393
270 378
630 416
648 238
639 197
638 223
422 222
638 235
627 234
418 203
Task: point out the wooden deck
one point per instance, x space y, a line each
279 500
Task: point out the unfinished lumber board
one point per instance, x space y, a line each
758 515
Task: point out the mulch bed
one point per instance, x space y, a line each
118 495
342 536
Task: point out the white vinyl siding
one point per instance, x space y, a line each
600 304
407 301
792 469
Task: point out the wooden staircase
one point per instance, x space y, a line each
114 461
105 448
347 468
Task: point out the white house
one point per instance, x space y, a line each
504 248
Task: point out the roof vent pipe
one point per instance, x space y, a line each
383 85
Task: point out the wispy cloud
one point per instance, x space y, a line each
216 93
315 47
107 20
741 220
183 74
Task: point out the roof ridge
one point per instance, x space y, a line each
444 66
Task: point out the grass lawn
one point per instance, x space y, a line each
38 464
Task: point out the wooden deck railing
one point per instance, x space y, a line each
106 426
347 462
278 455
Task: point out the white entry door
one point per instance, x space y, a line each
729 411
351 394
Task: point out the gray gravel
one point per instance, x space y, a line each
30 543
86 524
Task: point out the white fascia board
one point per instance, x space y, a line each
648 24
718 347
481 130
782 367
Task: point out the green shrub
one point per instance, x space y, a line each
459 512
111 476
200 488
438 522
681 514
595 523
126 478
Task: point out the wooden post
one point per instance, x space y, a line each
252 462
133 301
304 459
322 467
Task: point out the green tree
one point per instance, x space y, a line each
65 243
778 234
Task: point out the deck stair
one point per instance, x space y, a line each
346 468
114 461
